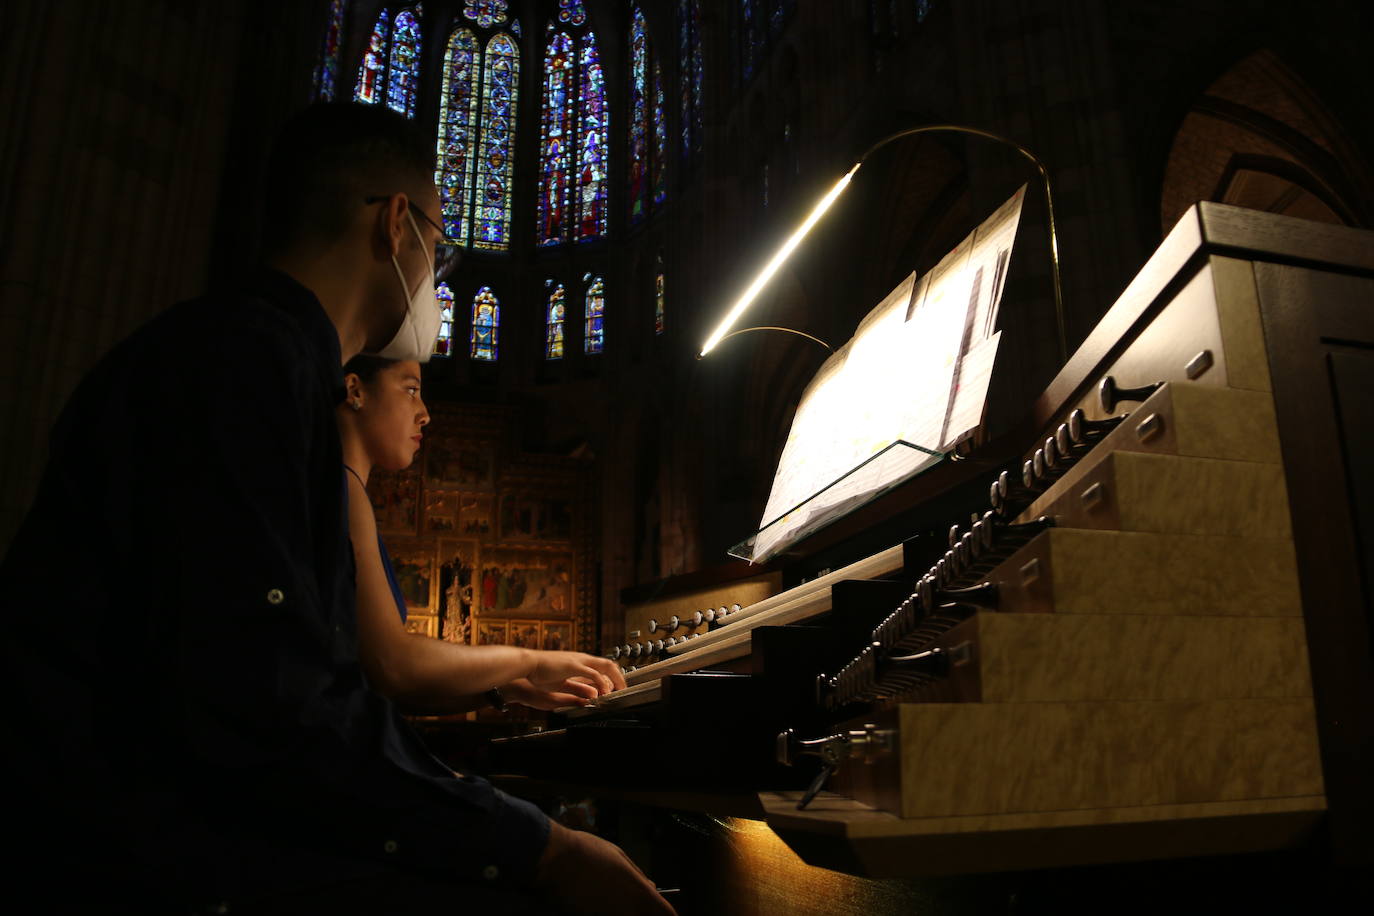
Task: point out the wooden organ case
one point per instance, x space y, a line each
1148 636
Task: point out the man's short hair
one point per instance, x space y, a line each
330 156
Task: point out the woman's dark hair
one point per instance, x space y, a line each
366 367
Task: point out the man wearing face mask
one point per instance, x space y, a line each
201 738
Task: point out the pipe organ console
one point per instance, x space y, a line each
1144 634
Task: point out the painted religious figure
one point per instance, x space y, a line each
451 462
395 500
535 518
524 634
475 516
413 566
492 632
441 510
516 582
422 624
557 635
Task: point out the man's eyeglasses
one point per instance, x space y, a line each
444 240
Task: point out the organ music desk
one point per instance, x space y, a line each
1146 634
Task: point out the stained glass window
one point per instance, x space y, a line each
659 168
372 71
922 10
761 24
485 13
486 324
777 17
593 125
476 149
648 133
555 140
751 36
574 127
457 133
659 301
391 63
327 73
443 344
553 321
639 116
403 69
515 27
571 12
594 321
496 165
690 73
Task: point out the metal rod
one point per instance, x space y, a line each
772 328
1049 206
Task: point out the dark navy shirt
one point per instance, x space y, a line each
184 713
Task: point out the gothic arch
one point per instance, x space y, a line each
1259 137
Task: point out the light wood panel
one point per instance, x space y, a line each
1081 571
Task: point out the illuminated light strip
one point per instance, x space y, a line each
777 261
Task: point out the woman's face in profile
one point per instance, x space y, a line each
392 416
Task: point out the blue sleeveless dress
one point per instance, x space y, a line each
391 579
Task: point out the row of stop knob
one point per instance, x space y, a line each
1071 440
655 649
709 618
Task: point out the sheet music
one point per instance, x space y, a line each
916 371
971 395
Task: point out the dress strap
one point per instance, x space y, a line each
357 475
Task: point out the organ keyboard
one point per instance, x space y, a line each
1119 648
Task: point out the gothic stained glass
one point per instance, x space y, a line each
594 320
777 18
648 133
659 164
443 344
486 324
658 302
751 37
403 69
592 135
457 133
372 71
485 13
496 164
639 116
571 12
515 27
690 72
555 141
553 321
327 73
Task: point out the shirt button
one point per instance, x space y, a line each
276 596
490 872
389 846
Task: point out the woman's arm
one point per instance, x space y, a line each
430 675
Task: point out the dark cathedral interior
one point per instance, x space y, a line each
614 174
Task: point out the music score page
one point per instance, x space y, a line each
908 385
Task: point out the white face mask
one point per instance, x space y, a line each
415 338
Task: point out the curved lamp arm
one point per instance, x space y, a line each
1049 205
725 337
771 268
